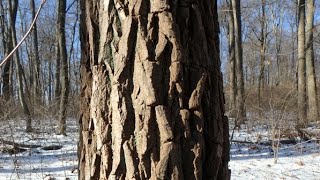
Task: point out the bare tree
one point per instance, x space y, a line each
263 46
64 66
301 66
13 6
35 59
57 89
151 81
7 46
232 67
241 114
310 70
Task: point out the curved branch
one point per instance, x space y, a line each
24 37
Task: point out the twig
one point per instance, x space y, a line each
25 36
244 142
18 144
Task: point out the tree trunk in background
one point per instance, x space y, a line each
57 90
232 68
57 76
310 70
71 50
64 67
36 59
262 40
277 30
152 104
7 46
301 66
13 4
241 114
49 82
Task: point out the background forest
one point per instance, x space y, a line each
269 47
270 60
272 50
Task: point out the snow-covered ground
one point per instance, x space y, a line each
256 160
248 160
37 163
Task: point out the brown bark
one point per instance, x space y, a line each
241 114
151 98
301 66
310 70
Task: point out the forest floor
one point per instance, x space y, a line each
44 155
55 158
252 156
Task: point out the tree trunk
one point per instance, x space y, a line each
241 114
57 90
310 70
13 5
36 59
152 100
232 57
49 83
262 40
64 67
7 46
301 66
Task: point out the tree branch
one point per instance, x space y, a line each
24 37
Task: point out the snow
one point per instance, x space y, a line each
36 163
248 160
256 160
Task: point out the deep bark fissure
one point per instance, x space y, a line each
143 96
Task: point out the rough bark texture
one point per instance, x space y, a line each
64 66
301 66
241 114
152 104
310 70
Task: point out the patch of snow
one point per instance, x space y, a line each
36 163
256 160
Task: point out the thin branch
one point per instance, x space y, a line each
18 144
69 7
24 37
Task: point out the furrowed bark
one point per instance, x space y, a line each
152 99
